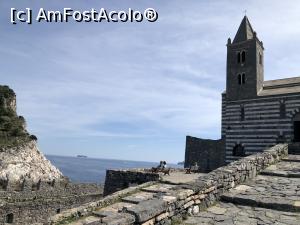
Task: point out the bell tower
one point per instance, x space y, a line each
245 66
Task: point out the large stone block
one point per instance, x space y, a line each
147 210
119 219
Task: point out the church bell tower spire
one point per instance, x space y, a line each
245 69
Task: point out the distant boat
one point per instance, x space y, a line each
180 163
81 156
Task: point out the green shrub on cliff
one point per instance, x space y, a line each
12 126
6 92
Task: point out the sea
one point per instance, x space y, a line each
93 170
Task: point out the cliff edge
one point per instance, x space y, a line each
20 158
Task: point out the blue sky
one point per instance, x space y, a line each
135 90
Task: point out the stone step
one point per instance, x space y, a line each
266 192
159 188
138 197
281 174
282 205
230 214
292 158
147 210
113 215
112 209
119 219
284 168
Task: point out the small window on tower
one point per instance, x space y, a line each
242 113
243 56
240 79
243 78
260 59
282 110
238 57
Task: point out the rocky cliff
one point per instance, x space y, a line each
20 158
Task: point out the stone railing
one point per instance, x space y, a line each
189 198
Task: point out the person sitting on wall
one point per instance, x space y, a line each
161 168
158 168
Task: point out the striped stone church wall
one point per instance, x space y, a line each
264 124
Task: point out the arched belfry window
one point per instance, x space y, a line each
238 57
243 56
242 113
239 79
238 150
282 109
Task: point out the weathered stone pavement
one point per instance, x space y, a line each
231 214
289 167
181 177
144 203
271 198
269 192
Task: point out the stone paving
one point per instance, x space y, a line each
231 214
181 177
292 158
268 191
272 198
287 168
134 202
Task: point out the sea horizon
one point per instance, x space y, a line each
93 170
92 157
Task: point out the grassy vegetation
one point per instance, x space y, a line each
12 126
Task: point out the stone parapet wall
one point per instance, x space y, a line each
29 206
208 154
48 191
117 180
174 204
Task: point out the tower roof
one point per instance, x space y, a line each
245 31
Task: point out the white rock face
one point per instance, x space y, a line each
26 162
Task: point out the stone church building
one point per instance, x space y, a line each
256 114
